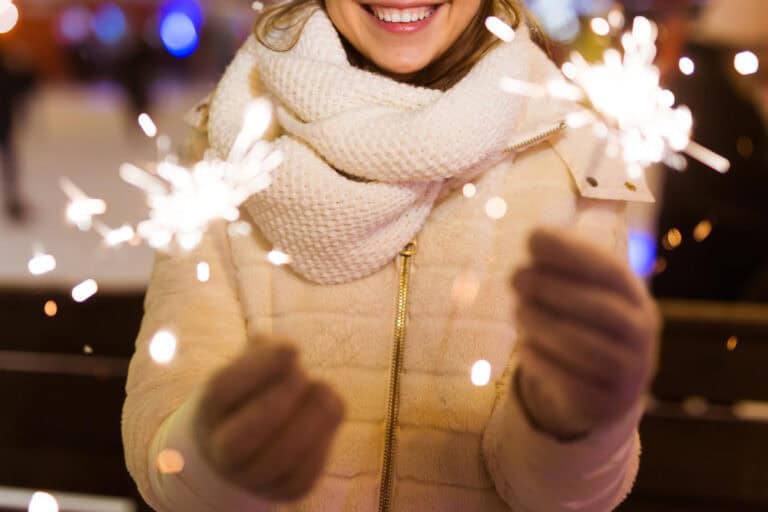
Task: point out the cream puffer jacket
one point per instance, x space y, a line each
456 446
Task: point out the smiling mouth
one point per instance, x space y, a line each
402 16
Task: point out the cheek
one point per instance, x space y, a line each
346 17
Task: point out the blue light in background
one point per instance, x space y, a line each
642 253
191 8
109 24
179 34
558 17
180 25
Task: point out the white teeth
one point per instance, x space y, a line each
392 15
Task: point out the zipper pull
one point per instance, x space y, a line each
409 250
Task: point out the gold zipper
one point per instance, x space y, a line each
393 401
537 138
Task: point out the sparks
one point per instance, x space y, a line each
183 201
500 29
162 348
203 272
81 209
148 126
43 502
41 264
481 373
85 290
622 99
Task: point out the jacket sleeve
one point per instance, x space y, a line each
208 322
534 472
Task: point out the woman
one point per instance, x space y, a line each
342 381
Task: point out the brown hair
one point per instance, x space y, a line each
289 17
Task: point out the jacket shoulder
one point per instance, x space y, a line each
596 173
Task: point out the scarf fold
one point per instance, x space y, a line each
397 144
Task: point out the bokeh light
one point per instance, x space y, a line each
9 16
170 462
162 348
642 253
687 66
481 373
85 290
43 502
51 308
179 34
203 272
109 24
74 24
746 63
496 208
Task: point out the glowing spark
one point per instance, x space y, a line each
183 201
148 126
687 66
496 208
622 99
41 264
702 230
85 290
170 462
500 29
9 16
481 373
278 258
203 272
732 343
116 237
469 190
600 26
87 349
43 502
746 63
708 157
51 308
162 348
81 208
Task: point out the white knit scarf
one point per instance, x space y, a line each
395 145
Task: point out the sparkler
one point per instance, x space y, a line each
183 201
621 98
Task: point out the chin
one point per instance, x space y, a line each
403 66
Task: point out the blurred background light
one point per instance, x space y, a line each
74 25
746 63
109 24
558 17
642 253
179 34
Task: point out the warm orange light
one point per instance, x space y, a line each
673 239
702 230
51 308
732 343
170 462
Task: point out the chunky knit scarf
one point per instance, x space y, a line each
365 157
